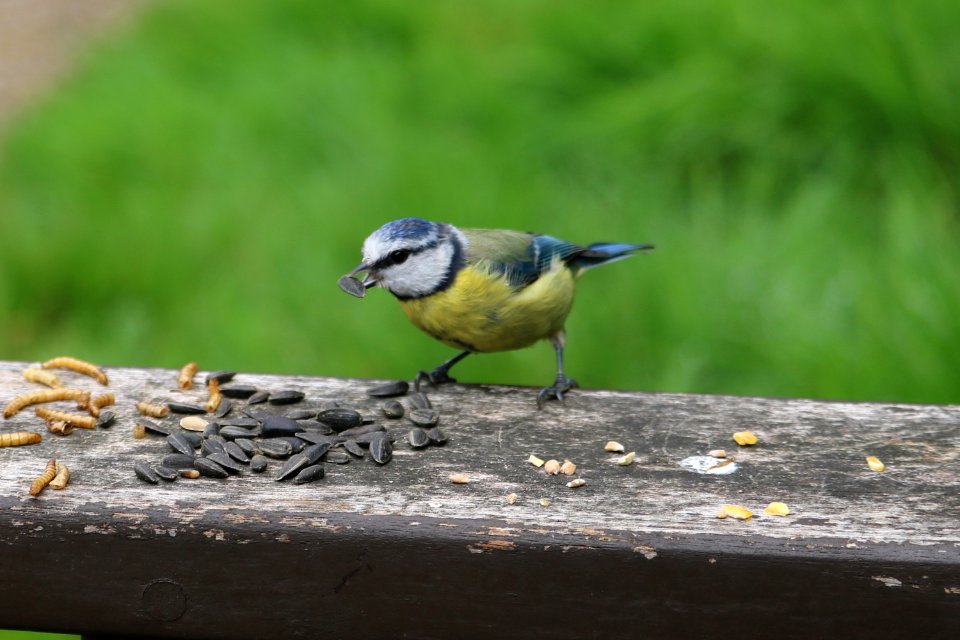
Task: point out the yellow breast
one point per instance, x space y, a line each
480 311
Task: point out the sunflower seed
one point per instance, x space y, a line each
418 438
146 473
234 451
246 445
316 427
318 438
178 461
178 443
211 429
315 451
209 446
392 409
357 431
353 448
226 462
340 419
420 400
286 396
353 286
424 417
365 439
220 376
246 423
436 436
209 468
240 391
224 408
106 419
390 389
259 397
275 448
302 414
311 473
232 433
258 464
166 473
336 457
155 427
186 408
381 450
276 426
291 466
193 438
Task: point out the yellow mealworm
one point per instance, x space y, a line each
77 420
215 396
45 395
87 369
40 376
48 474
185 379
153 410
19 438
62 478
59 427
139 431
100 401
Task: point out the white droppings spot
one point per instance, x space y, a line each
888 581
709 465
648 552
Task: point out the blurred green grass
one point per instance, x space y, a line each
195 190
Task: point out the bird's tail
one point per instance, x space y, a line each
604 253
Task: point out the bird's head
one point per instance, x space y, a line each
411 257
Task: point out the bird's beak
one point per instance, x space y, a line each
353 285
370 280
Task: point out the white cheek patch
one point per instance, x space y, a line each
421 274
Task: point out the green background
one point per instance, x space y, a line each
196 188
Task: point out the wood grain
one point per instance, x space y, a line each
399 550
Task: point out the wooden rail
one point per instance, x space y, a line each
400 551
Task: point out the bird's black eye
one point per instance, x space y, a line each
399 256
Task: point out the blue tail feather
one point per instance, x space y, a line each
600 253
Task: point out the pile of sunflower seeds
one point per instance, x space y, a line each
242 436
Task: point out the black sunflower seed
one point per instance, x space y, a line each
220 376
381 450
232 433
436 436
212 429
234 451
353 448
315 451
317 438
146 473
259 397
311 473
225 461
209 446
292 466
276 426
106 419
209 468
177 461
246 445
225 405
166 473
258 464
302 414
337 457
357 431
392 409
155 427
180 444
185 408
240 391
353 286
340 419
424 417
389 390
286 396
193 438
420 400
418 438
275 448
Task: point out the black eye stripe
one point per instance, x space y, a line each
388 260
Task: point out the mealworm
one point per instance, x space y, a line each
45 395
139 431
62 478
44 479
41 376
153 410
100 401
87 369
215 396
19 438
77 420
185 379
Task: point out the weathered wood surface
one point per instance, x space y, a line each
399 551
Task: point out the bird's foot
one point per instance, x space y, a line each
561 386
436 377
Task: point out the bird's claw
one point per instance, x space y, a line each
436 377
561 386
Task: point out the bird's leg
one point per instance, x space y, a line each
439 374
563 383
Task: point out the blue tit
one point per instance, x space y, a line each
480 290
